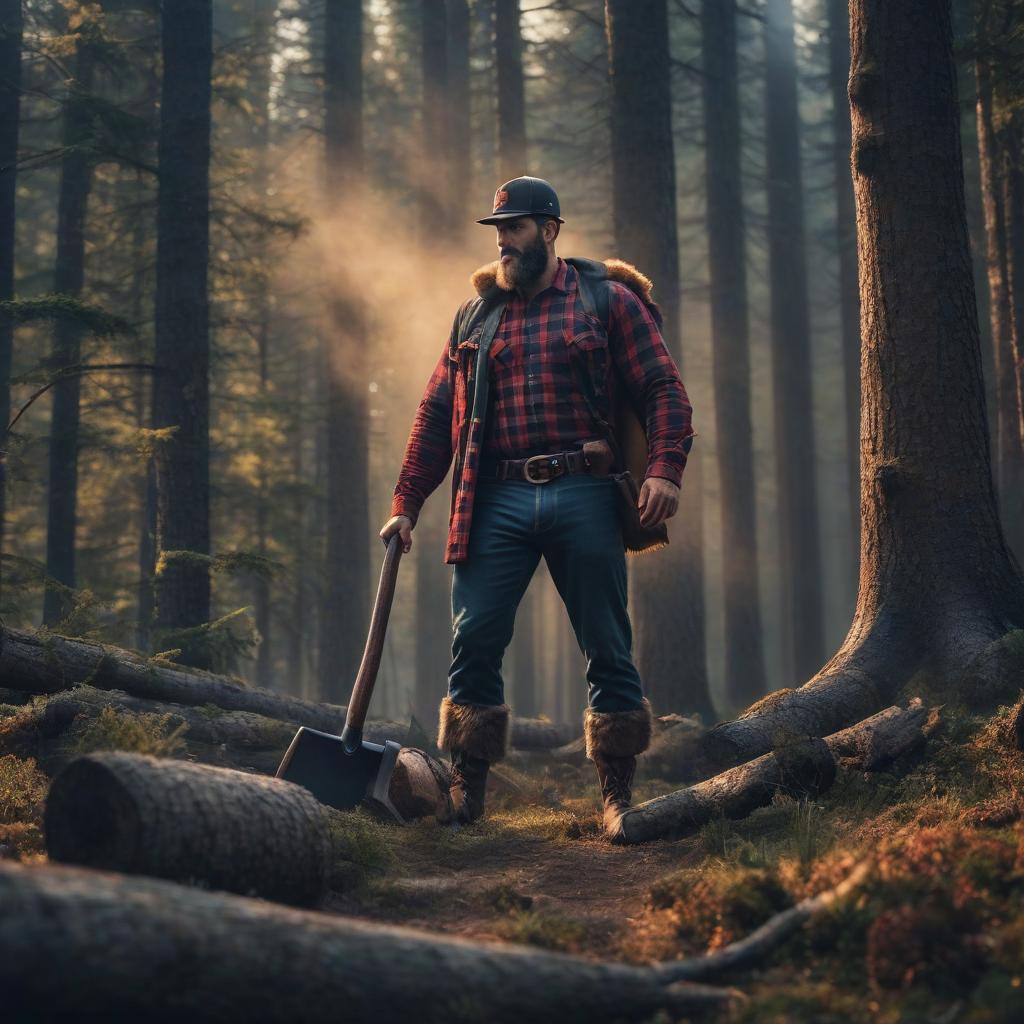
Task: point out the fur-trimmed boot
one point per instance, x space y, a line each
614 738
476 736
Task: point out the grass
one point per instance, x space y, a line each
159 735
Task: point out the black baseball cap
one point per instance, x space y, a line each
524 197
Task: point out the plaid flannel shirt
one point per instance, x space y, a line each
535 406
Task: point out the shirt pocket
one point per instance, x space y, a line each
502 355
587 348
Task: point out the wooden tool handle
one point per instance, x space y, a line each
362 691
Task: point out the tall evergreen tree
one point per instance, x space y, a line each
438 223
181 402
939 591
76 172
1000 130
791 354
346 587
668 586
744 657
10 114
508 50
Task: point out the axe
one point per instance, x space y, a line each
344 771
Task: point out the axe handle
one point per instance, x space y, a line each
362 691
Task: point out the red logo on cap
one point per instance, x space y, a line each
500 199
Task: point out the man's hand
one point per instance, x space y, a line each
659 500
402 525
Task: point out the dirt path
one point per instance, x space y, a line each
533 874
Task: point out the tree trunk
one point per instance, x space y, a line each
346 594
10 114
459 93
263 15
438 225
800 555
181 400
187 822
508 56
68 278
997 171
250 960
667 587
939 591
744 655
804 768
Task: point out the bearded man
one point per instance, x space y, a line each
526 485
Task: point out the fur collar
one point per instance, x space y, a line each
485 278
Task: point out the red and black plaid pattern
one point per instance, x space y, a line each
535 405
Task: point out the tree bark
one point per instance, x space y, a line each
805 767
68 278
459 93
667 587
186 822
939 591
508 56
744 655
346 583
10 118
800 554
846 241
181 400
127 944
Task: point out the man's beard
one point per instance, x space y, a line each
525 270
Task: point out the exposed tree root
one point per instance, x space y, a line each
758 944
865 675
802 767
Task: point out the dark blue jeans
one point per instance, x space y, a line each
572 522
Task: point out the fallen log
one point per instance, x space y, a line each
188 822
805 767
47 730
149 950
44 663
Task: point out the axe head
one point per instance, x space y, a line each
321 763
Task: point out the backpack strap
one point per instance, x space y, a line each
593 284
483 377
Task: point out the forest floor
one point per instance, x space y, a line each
934 934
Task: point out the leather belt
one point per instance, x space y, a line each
538 469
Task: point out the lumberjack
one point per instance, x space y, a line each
532 449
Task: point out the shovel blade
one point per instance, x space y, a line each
319 762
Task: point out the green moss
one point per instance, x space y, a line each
505 899
547 930
159 735
360 848
22 789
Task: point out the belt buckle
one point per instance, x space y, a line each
554 461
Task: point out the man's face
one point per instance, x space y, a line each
523 252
